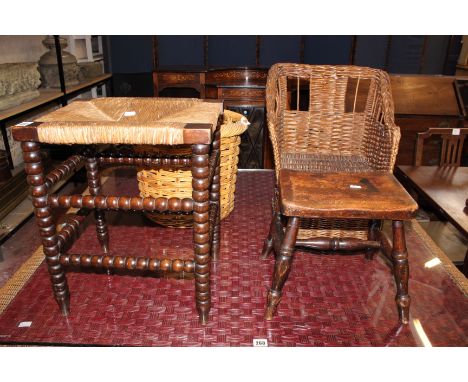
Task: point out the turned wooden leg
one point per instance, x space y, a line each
282 267
215 197
201 229
374 226
36 179
268 244
465 264
401 270
94 184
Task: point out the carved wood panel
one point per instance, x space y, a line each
239 93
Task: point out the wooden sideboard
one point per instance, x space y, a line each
243 91
421 101
177 79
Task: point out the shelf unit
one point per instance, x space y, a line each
88 48
47 97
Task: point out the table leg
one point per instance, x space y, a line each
401 270
94 184
282 266
201 228
43 212
215 197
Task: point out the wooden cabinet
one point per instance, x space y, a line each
241 89
179 81
422 102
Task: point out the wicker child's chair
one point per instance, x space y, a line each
328 119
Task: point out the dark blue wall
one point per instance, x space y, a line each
371 51
433 61
131 54
396 54
405 54
231 51
181 50
331 50
279 49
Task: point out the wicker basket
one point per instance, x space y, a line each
178 183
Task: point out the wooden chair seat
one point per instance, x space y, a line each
369 195
324 163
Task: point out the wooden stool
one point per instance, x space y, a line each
373 196
130 121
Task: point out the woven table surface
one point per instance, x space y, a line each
126 120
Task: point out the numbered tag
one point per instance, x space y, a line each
25 324
355 186
24 123
129 113
260 342
455 131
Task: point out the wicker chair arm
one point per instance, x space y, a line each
393 140
385 139
389 119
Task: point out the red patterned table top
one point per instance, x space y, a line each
328 300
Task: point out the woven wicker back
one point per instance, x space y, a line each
331 118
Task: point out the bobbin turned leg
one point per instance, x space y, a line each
401 270
282 267
201 229
268 244
36 179
94 184
215 196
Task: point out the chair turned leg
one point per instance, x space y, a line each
282 267
401 270
94 184
268 244
36 179
374 225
